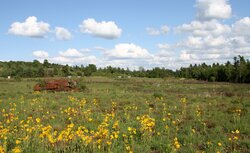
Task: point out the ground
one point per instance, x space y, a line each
126 115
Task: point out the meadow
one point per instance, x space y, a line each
126 115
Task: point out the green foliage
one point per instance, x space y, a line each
18 78
238 71
158 95
81 85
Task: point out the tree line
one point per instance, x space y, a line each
37 69
238 71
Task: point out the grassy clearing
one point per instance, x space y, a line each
126 115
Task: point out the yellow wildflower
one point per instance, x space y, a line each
38 120
16 150
2 149
18 142
219 144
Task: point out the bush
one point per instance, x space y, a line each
212 79
158 95
18 78
81 85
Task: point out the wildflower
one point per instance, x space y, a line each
177 145
237 131
209 143
18 142
236 138
183 100
109 143
147 123
16 150
71 125
38 120
2 149
115 125
193 130
219 144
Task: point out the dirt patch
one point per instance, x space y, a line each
56 85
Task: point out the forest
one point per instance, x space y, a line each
237 71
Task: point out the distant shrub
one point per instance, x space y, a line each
158 95
18 78
212 79
81 85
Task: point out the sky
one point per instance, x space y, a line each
125 33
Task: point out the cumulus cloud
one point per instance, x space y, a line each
71 57
41 54
127 51
213 9
242 27
157 31
165 51
62 33
107 30
198 28
204 42
30 27
71 52
206 39
76 60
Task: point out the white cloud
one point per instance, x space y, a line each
30 28
166 51
62 33
62 60
239 41
155 31
71 52
41 54
107 30
204 42
163 46
197 28
185 56
218 42
127 51
76 60
242 27
74 57
213 9
165 29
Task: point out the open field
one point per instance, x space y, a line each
126 115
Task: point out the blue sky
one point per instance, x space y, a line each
164 33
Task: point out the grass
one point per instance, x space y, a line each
126 115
